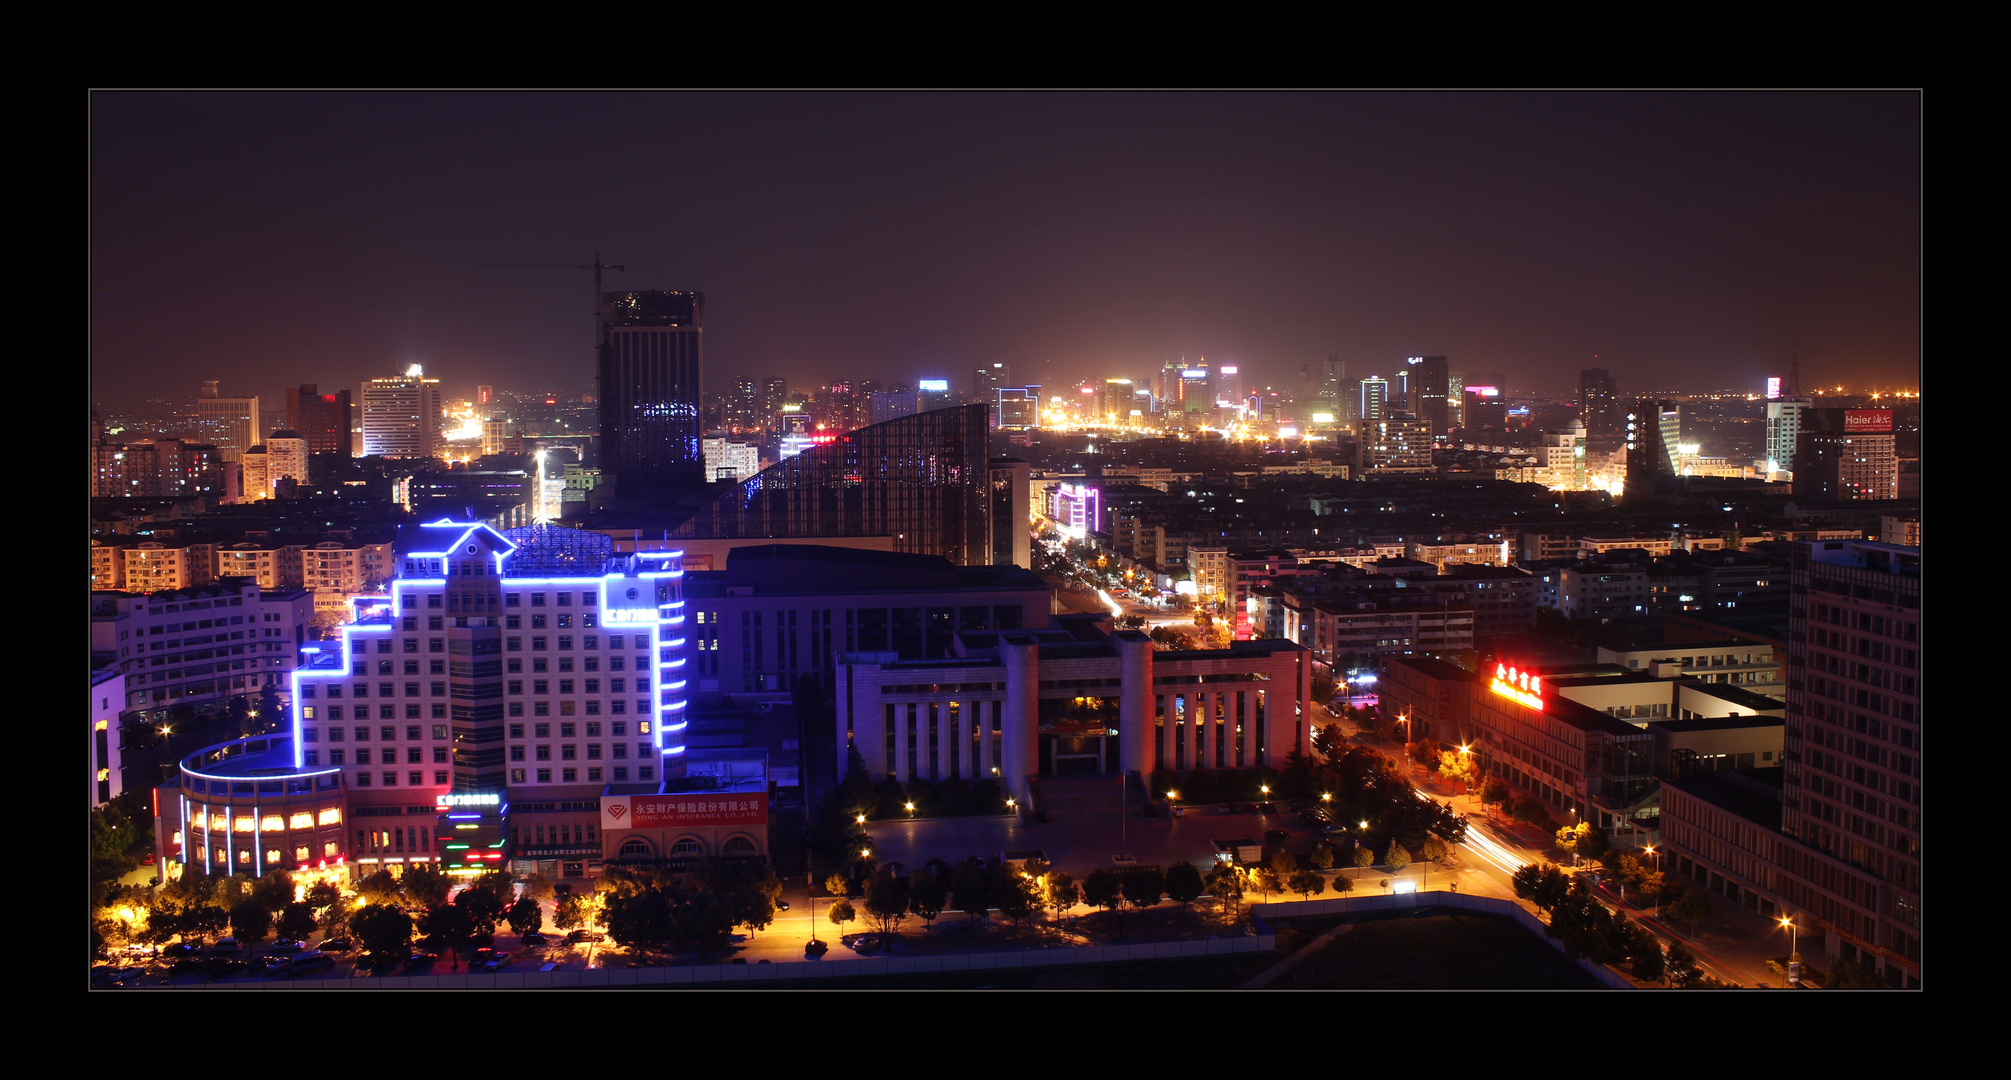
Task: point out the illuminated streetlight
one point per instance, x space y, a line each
860 819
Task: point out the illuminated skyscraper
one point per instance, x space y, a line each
229 424
987 380
401 416
1374 400
1784 427
650 369
1654 431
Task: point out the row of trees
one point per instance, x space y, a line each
1587 929
651 911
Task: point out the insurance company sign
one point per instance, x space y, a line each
676 811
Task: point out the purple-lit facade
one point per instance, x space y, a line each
533 667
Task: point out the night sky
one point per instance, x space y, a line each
1686 241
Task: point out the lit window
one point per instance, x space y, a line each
243 824
330 816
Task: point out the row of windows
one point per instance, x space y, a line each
570 752
412 779
618 728
617 707
594 775
590 686
414 755
438 711
515 666
387 733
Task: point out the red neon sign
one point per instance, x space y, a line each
1523 686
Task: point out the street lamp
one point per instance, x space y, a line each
911 810
1794 959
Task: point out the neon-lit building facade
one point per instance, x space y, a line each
533 664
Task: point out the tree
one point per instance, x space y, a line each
379 887
1225 883
1453 765
1343 884
837 885
497 883
384 930
1846 975
1015 895
970 884
482 907
1645 953
450 925
1530 810
250 921
296 921
642 921
203 920
1693 908
540 888
525 916
1102 889
273 891
927 894
840 914
887 904
1061 892
1144 888
1184 884
1284 864
1266 881
1307 884
1365 856
1680 967
1494 791
570 912
1328 740
1323 857
1582 840
426 886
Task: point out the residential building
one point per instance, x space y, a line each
230 424
321 419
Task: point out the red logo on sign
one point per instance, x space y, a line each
619 810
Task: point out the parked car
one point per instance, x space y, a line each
224 945
179 950
534 939
782 905
497 961
287 945
419 961
275 965
578 936
337 945
312 960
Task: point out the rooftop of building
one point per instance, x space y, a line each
265 758
815 569
1752 794
1715 723
1434 668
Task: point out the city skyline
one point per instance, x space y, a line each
903 237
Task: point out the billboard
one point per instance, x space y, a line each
678 811
1867 421
1773 387
934 386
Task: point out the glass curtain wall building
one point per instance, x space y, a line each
650 354
923 480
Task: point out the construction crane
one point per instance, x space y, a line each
597 266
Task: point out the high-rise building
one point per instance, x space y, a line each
286 458
1333 376
1229 385
1654 434
230 424
924 480
651 358
1484 413
1846 455
987 380
168 467
1398 445
1599 402
1784 428
321 419
1430 384
1375 397
401 416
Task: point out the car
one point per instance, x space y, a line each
276 965
219 966
782 905
337 945
419 961
534 939
287 945
1267 808
497 961
578 936
224 945
180 950
311 960
1277 836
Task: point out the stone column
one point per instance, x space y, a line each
1134 706
1020 742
